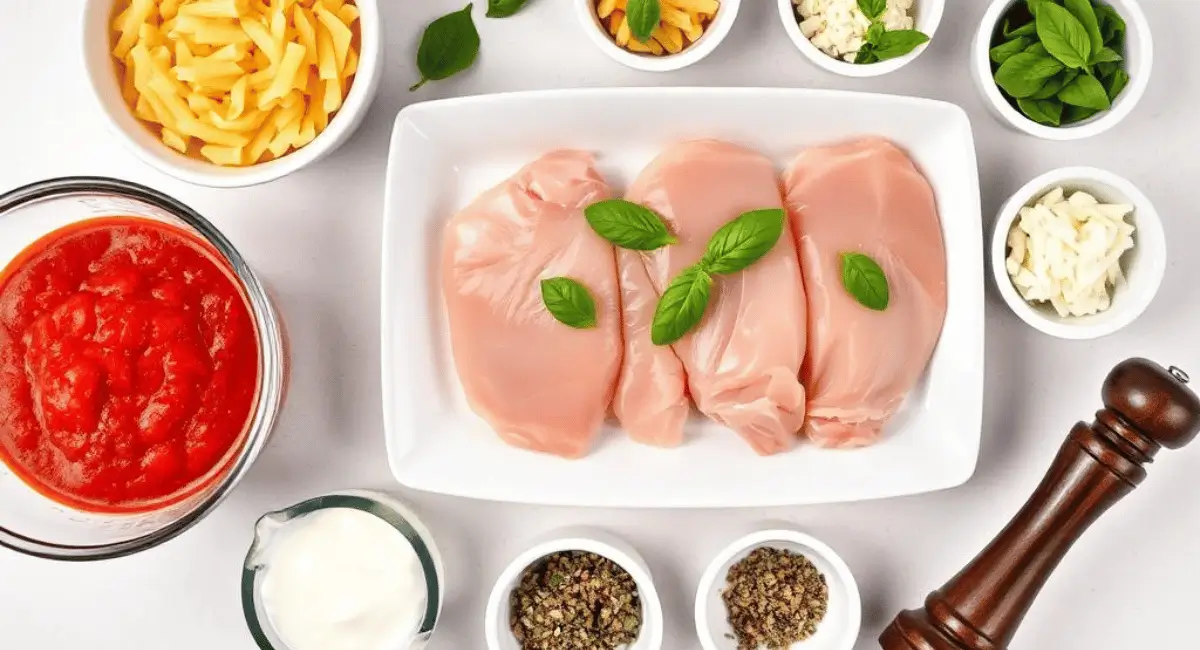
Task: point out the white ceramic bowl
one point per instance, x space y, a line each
716 32
1143 266
496 620
1139 60
837 631
928 17
101 73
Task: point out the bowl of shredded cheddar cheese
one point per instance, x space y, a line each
231 93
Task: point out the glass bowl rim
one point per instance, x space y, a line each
271 364
391 511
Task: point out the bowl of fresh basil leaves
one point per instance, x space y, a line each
1063 69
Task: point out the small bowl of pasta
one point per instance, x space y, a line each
679 34
232 93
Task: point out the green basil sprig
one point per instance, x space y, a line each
449 46
643 17
737 245
1065 65
743 241
628 225
504 8
682 305
882 44
569 302
865 280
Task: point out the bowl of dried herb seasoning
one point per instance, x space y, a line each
778 590
575 590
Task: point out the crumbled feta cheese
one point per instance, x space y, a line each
839 28
1067 251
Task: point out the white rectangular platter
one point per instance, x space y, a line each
444 153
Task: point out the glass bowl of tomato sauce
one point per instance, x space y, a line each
142 367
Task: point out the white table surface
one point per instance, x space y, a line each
314 236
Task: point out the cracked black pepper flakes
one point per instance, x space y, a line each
775 598
575 601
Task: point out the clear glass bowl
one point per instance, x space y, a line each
390 510
32 523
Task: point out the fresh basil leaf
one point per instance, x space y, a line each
866 54
1083 11
643 17
1106 69
1074 114
1112 25
1042 111
875 32
865 281
872 9
1028 29
1086 91
628 225
1063 35
743 241
1107 55
1034 5
1116 84
1002 52
682 306
1024 74
1055 84
895 44
504 8
569 302
449 46
1038 49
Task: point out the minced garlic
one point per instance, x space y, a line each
839 28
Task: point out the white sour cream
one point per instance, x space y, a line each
342 579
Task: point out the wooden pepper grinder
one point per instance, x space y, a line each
1146 408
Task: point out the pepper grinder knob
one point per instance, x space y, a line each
1155 401
1147 408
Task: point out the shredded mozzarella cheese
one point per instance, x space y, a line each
1067 251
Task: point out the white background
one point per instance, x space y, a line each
1130 584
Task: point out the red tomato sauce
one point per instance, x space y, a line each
128 365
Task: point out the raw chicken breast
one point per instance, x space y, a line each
540 384
743 360
651 400
866 197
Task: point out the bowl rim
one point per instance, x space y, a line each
200 172
709 580
981 63
717 31
272 362
791 24
1145 214
383 506
588 541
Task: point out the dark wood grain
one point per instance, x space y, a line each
1146 408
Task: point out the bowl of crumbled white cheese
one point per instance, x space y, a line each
1078 253
839 36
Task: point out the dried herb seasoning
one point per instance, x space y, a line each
774 598
575 601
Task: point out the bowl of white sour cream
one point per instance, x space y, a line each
353 570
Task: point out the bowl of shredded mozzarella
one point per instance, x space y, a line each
831 32
1078 253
